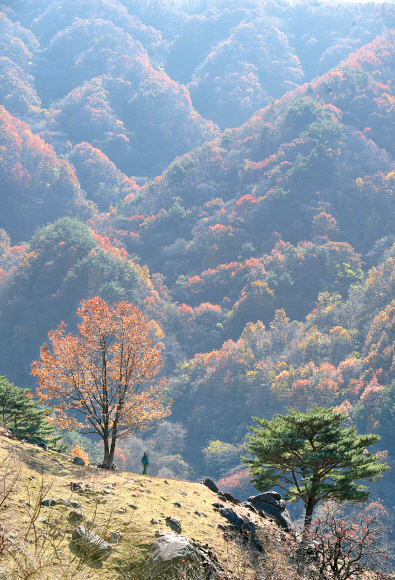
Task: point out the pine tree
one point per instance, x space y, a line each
313 457
23 416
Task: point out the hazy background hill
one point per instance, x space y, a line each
229 166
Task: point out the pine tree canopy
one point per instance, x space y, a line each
20 413
313 457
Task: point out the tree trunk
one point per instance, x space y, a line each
303 558
109 451
308 516
107 459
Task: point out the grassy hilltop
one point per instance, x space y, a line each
114 504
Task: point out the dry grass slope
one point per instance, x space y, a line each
120 507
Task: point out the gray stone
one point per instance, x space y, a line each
134 507
229 497
173 524
78 461
76 505
241 525
171 549
48 502
271 504
211 485
176 504
218 505
75 517
90 545
249 506
76 486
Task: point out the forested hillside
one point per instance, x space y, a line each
227 166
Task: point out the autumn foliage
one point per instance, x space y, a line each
77 451
98 381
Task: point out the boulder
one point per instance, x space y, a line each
171 549
210 484
89 545
249 506
171 554
78 461
271 504
241 525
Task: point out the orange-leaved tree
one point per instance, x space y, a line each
98 381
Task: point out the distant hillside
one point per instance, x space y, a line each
229 167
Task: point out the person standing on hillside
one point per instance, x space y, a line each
144 461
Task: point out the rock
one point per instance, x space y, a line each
78 461
76 505
107 491
121 511
229 497
174 524
176 504
241 525
218 505
115 537
43 445
65 501
103 466
90 545
134 507
75 517
249 506
271 504
76 486
48 502
88 486
154 521
171 550
183 493
210 484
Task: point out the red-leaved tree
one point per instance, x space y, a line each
98 381
349 547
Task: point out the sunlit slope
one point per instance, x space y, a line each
127 506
